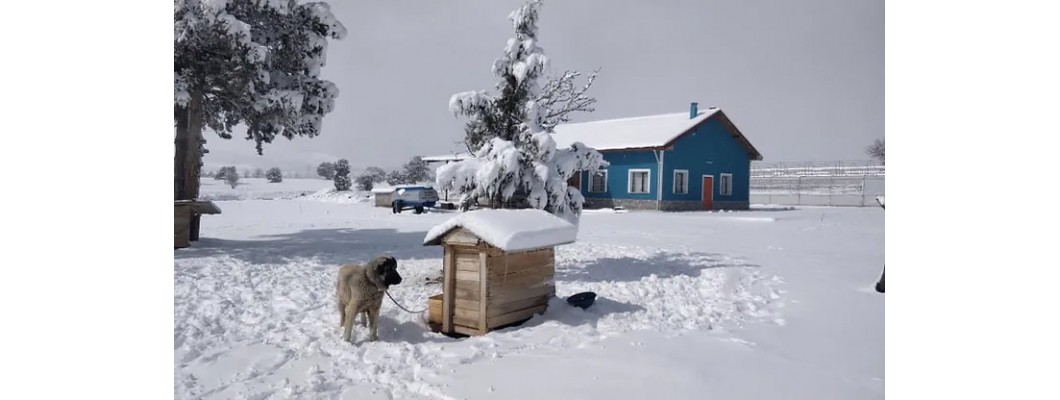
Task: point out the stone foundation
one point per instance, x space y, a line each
635 204
591 203
667 205
681 205
732 205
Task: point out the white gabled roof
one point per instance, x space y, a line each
629 133
509 230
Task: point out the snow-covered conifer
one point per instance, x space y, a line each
342 175
252 63
517 163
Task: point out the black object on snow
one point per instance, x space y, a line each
582 300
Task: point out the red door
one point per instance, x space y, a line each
708 192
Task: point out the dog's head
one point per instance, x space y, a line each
385 268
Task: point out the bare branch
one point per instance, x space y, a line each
561 96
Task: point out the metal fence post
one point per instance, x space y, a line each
863 191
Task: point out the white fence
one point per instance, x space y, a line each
839 183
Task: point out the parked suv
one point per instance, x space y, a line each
414 197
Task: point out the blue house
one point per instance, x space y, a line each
686 161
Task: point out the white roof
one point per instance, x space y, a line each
509 230
391 189
628 133
447 157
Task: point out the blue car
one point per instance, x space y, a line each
415 197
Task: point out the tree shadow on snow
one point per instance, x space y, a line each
328 246
628 269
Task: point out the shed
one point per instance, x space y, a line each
382 196
498 268
186 219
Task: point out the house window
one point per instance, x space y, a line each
681 181
639 180
598 182
726 185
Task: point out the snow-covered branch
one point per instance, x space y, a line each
561 96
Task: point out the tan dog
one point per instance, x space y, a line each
360 292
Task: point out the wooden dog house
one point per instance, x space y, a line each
498 268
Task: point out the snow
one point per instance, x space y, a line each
448 157
629 133
290 188
772 303
509 230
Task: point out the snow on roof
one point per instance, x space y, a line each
391 189
447 157
509 230
629 133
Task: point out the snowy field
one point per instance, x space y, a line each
774 303
262 189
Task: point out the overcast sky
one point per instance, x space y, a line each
803 80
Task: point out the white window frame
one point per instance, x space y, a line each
725 188
681 171
629 180
590 188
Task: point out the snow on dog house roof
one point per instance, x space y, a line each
509 230
649 132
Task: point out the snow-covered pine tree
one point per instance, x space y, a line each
274 175
250 62
416 170
342 175
519 165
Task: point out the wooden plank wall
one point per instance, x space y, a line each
520 285
181 226
468 287
510 288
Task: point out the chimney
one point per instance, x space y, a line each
693 110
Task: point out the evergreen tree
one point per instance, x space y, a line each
342 175
274 175
251 63
518 165
416 170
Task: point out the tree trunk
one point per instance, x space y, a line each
188 156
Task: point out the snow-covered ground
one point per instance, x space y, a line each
262 189
765 304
